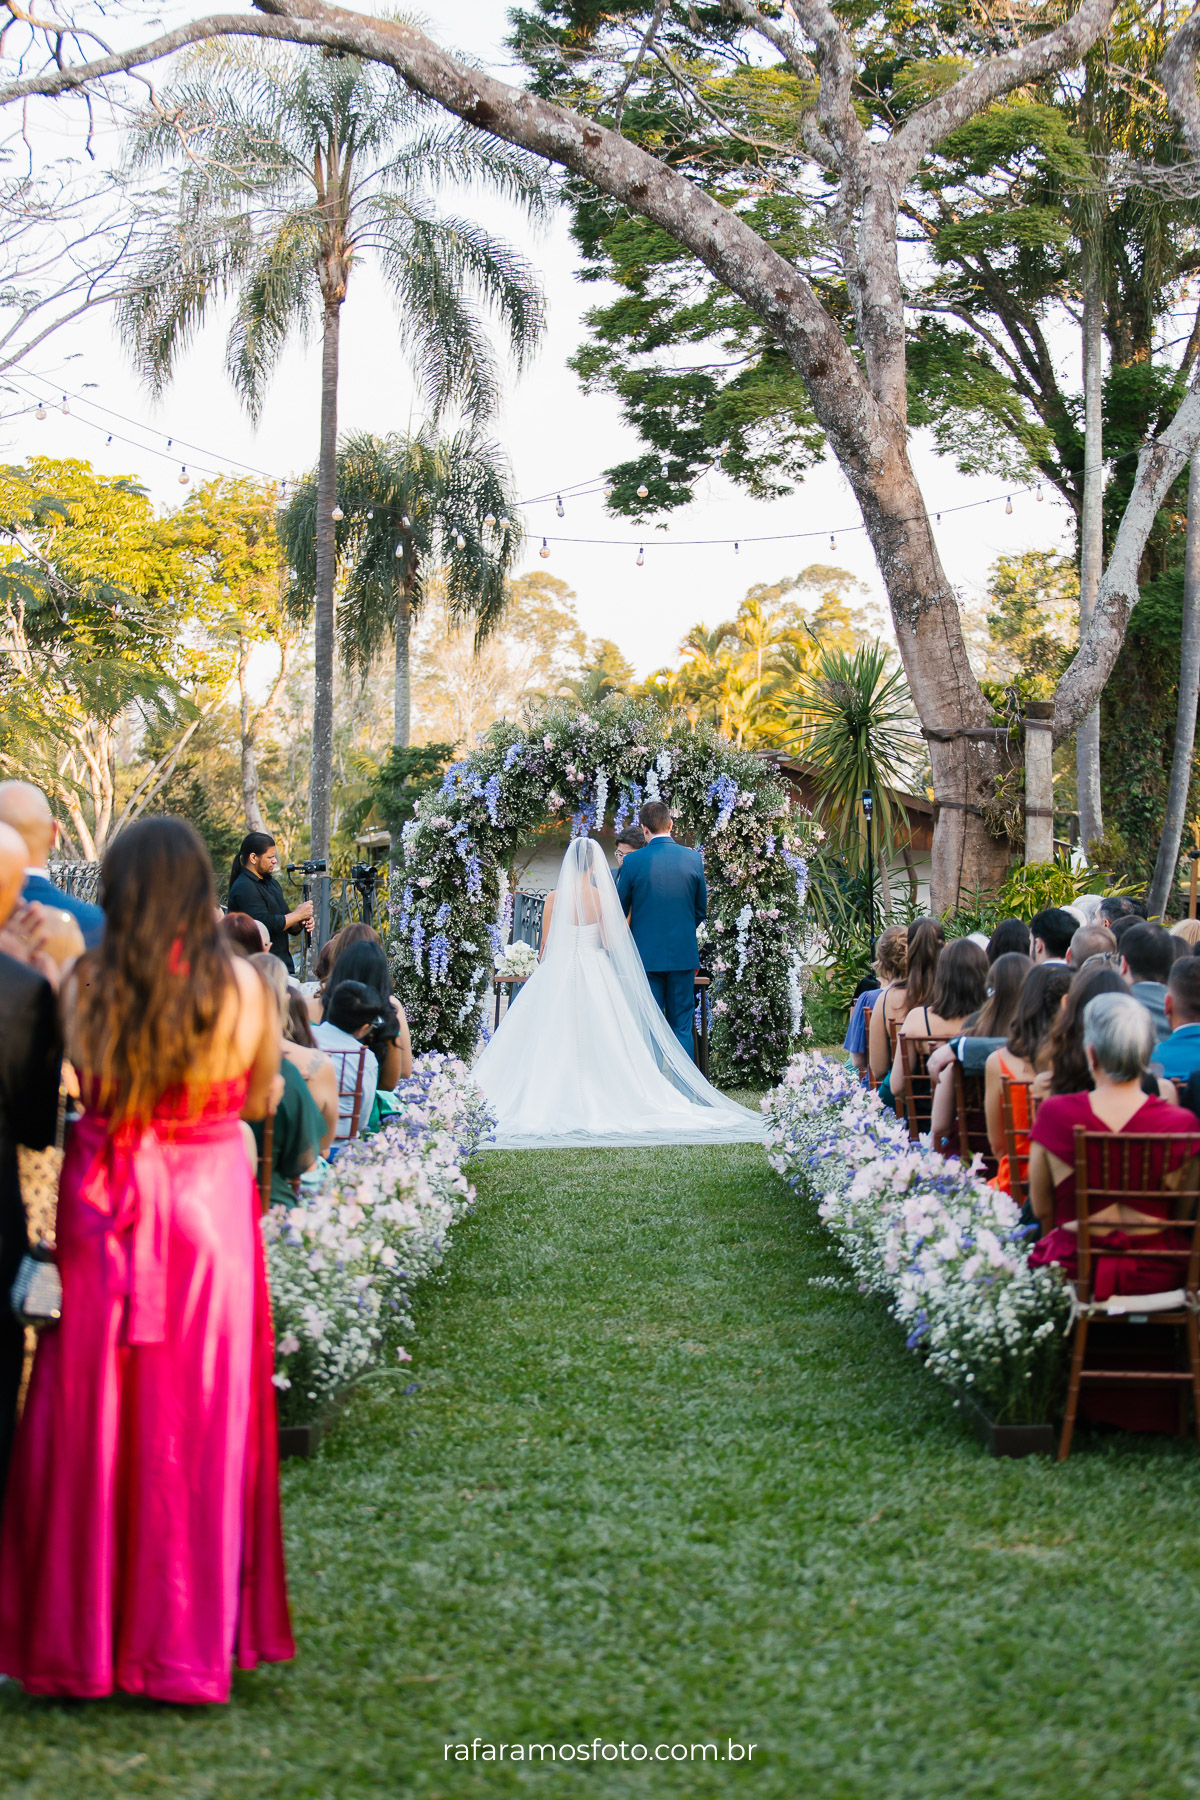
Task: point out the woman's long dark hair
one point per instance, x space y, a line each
253 844
960 983
150 995
926 940
1069 1073
1039 1006
362 961
1006 978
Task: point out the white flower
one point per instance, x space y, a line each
403 1355
288 1344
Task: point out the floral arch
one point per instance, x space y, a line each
453 909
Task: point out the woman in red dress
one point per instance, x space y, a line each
1118 1042
142 1547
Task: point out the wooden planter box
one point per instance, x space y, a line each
300 1440
1012 1440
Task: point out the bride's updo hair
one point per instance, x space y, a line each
655 816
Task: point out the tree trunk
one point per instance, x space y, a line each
1091 531
1185 717
1039 782
403 698
250 806
320 802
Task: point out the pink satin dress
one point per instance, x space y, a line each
142 1546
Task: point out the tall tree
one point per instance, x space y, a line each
292 167
1185 718
857 389
410 505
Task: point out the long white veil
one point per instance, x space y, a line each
585 1055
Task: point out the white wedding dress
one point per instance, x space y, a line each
584 1055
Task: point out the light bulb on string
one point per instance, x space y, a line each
1039 490
39 412
939 518
108 439
64 408
184 477
545 549
370 512
405 521
737 548
665 472
489 520
643 490
832 544
399 549
641 557
506 524
460 542
337 515
1008 504
559 508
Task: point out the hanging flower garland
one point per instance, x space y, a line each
454 910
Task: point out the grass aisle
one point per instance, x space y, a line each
653 1484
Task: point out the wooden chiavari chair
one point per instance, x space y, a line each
918 1089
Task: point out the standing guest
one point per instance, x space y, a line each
1189 931
891 960
1011 937
27 810
924 941
142 1547
632 838
1146 959
245 935
30 1057
1090 940
958 991
1052 930
253 889
1118 906
1178 1056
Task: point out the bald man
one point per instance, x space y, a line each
27 810
30 1063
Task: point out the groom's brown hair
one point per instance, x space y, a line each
655 816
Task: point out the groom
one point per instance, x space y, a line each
662 891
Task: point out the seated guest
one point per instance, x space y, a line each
958 991
1005 981
1178 1056
891 957
1118 1037
244 935
366 962
924 941
1189 931
27 810
299 1048
1064 1068
1090 940
1146 961
1011 937
1020 1059
357 932
299 1133
356 1015
1052 930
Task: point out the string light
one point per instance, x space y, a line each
337 515
405 521
40 413
665 472
460 542
1039 490
66 409
1008 504
505 524
832 544
641 556
737 548
559 508
489 519
399 549
643 490
370 512
170 441
545 549
184 477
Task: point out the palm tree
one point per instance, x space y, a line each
410 505
293 166
855 724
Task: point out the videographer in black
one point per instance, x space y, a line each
253 889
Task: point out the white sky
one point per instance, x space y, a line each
554 436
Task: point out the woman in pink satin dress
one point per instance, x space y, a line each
142 1547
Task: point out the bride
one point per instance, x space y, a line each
584 1055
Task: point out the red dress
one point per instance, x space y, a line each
142 1547
1054 1128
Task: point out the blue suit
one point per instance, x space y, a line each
89 917
662 889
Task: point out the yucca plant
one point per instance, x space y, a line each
855 724
290 168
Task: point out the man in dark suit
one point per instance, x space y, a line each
663 892
27 810
30 1061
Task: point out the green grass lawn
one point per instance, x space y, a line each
653 1484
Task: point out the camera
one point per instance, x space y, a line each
383 1031
307 868
364 875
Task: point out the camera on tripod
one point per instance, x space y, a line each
364 875
307 868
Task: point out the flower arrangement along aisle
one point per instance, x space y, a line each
345 1260
945 1250
448 918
